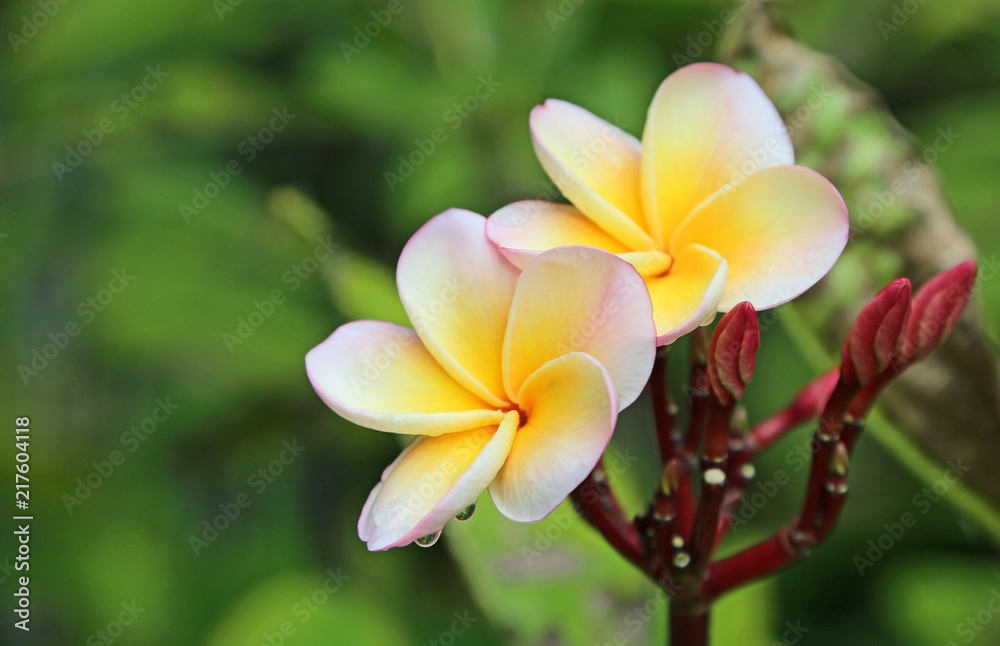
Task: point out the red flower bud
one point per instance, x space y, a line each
936 308
732 352
876 335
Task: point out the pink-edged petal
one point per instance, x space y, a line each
581 299
522 230
781 230
380 375
571 409
457 288
688 295
707 126
431 481
595 165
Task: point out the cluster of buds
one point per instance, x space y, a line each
674 539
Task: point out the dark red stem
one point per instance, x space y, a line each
825 439
663 411
689 624
597 504
713 487
808 403
764 558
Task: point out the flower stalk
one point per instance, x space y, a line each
673 541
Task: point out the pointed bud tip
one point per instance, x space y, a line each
936 308
876 335
732 352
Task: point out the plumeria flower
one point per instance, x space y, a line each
512 380
708 207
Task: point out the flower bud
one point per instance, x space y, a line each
732 352
876 334
936 307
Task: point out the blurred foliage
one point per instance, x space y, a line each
256 248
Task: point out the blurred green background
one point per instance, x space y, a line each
123 127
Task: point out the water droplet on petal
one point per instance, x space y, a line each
466 513
430 539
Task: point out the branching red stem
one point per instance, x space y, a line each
598 505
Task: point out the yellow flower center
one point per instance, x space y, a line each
648 263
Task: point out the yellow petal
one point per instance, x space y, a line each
581 299
595 165
648 263
380 375
457 288
688 295
780 231
522 230
572 408
708 125
432 480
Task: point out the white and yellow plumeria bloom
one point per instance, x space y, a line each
708 207
512 380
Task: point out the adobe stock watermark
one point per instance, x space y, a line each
454 117
130 440
428 313
638 616
703 40
579 160
461 624
778 145
6 569
294 277
428 483
562 12
222 7
247 151
911 172
364 34
31 26
379 361
258 482
970 627
306 607
122 108
641 614
552 188
761 492
109 634
553 528
922 501
989 268
899 16
384 355
590 151
756 498
596 323
87 311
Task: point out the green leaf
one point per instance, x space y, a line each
932 599
558 578
301 608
